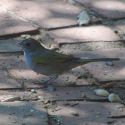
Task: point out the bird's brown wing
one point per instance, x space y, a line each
52 57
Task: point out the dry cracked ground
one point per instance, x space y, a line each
71 98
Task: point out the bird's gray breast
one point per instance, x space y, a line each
39 68
28 59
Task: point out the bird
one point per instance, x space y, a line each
49 62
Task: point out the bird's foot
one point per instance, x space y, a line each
47 83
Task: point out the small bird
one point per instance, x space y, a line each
49 62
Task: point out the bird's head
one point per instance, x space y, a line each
30 45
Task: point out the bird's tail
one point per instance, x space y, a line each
84 61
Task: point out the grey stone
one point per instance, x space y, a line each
89 113
11 25
28 113
105 73
83 18
111 9
82 34
47 14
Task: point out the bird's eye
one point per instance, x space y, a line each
28 44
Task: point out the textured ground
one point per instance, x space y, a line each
71 100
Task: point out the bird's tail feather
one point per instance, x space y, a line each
98 60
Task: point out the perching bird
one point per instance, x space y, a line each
49 62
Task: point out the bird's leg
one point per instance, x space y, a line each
52 78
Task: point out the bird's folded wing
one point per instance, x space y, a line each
52 58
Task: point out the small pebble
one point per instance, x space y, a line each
114 98
41 98
101 92
109 63
33 90
83 18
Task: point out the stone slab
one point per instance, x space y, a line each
74 48
46 13
28 113
11 25
7 82
6 62
82 34
111 9
77 93
104 72
90 113
71 93
56 94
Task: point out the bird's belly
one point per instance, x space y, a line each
45 70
